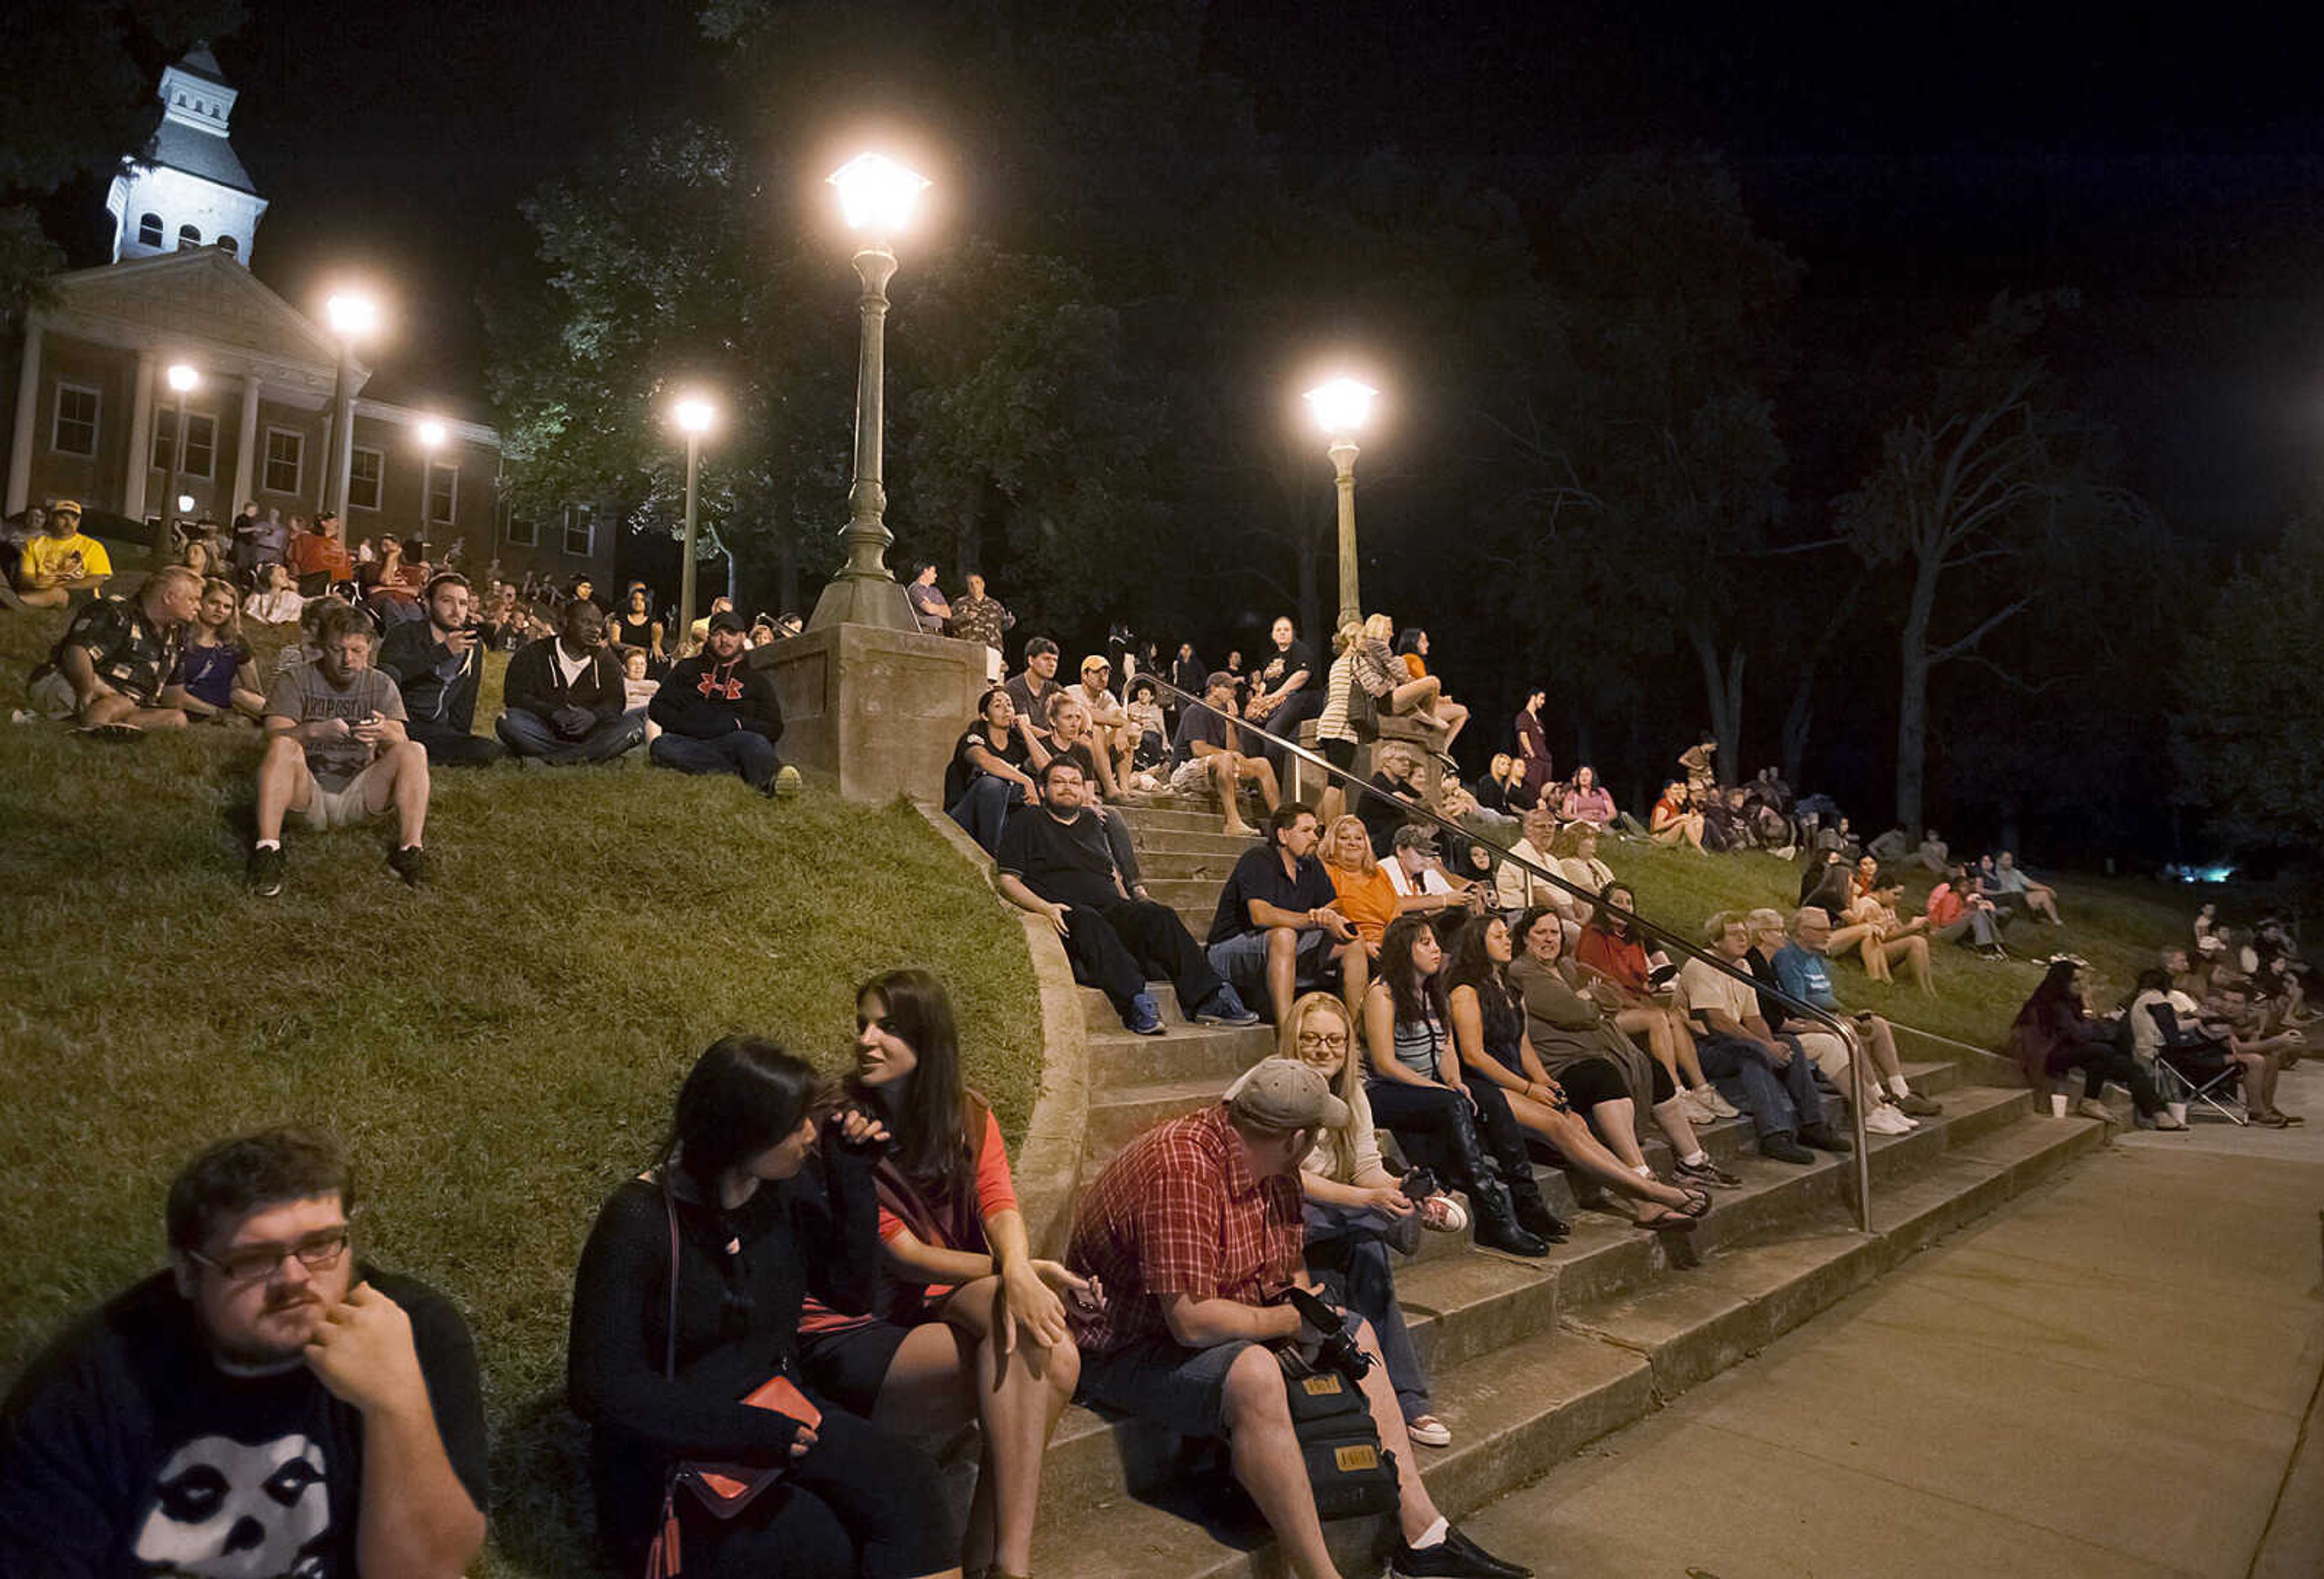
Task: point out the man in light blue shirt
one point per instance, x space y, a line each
1803 971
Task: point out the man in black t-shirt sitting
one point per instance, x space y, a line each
1275 930
1286 691
1209 749
266 1405
118 652
1054 861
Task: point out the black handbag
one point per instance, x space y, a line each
1351 1474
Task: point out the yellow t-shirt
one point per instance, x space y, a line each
66 559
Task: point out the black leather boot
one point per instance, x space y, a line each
1497 1226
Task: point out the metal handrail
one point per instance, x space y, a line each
1791 1005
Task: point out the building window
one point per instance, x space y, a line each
189 235
74 431
286 459
523 531
443 493
580 532
366 468
228 245
149 230
202 442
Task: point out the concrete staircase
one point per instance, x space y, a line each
1528 1360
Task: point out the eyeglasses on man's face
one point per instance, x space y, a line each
318 1252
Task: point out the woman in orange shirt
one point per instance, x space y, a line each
1367 898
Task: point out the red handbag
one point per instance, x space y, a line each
724 1490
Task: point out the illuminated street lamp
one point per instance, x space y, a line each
352 317
1341 408
182 381
876 196
431 435
694 415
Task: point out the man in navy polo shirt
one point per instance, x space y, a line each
1276 927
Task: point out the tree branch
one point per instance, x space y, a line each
1956 649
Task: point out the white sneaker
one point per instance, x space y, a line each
1885 1119
1718 1105
1698 1112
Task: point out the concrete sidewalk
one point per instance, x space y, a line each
2107 1378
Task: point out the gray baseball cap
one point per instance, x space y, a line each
1284 1093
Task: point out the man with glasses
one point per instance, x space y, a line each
266 1405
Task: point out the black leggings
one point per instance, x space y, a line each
2100 1062
1589 1081
861 1503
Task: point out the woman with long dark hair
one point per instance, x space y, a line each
1488 1028
2053 1036
969 1326
687 1302
1461 1129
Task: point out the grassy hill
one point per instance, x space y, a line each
497 1049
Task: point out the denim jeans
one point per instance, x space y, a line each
1347 1250
1779 1100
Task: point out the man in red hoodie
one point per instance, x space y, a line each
719 714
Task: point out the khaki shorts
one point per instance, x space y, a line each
1830 1053
343 807
52 696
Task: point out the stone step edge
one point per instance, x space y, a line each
1493 1376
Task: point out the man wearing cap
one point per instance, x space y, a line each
1209 749
1033 690
1056 862
1109 719
61 561
565 695
1417 875
438 662
928 605
118 654
719 714
1194 1231
1276 931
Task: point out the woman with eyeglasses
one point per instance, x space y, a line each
969 1326
1357 1210
754 1205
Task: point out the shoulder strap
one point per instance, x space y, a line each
669 1337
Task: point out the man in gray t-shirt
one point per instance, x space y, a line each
335 752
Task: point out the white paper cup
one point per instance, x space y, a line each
2177 1110
2057 1104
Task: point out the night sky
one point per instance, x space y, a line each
2167 166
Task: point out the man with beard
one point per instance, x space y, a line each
266 1405
565 697
719 714
336 754
438 662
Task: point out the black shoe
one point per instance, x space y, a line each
1784 1148
1535 1217
409 863
1501 1233
1823 1138
1707 1172
1456 1556
266 871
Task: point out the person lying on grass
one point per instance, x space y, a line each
336 754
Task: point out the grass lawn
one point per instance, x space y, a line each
498 1049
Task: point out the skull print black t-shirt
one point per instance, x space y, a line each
125 1450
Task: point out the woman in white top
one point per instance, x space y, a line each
280 604
1356 1209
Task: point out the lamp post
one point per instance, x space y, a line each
184 380
1341 408
694 415
876 197
351 317
431 434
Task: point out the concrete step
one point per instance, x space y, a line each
1213 1054
1519 1395
1208 843
1198 866
1182 893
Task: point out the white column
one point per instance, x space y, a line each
28 399
141 438
245 448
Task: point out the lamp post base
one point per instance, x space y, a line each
864 600
872 711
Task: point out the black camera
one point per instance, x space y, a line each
1337 1350
1419 1185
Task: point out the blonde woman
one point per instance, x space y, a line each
217 676
1336 732
1575 851
1356 1209
1393 690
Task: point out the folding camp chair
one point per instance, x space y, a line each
2194 1069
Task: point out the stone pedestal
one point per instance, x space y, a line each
875 712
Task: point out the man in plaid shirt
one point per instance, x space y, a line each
1194 1230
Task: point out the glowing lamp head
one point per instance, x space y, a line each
351 316
431 434
183 378
876 194
185 503
693 414
1342 406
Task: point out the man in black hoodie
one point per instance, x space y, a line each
718 715
564 694
437 662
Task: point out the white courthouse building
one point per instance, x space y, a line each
90 415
